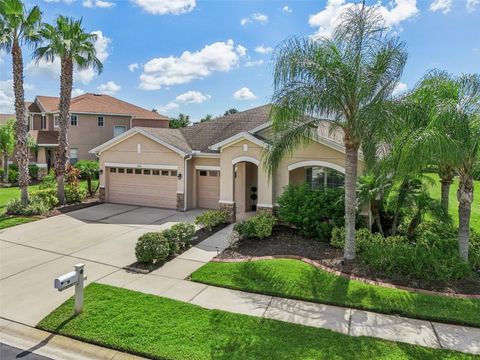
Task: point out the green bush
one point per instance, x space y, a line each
152 247
12 176
474 251
47 196
13 167
33 207
259 226
180 235
49 181
211 218
74 193
33 171
363 238
314 212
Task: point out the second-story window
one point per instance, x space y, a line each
43 124
73 120
100 121
56 119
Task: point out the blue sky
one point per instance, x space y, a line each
203 57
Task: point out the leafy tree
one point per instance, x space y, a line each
7 144
19 26
230 112
180 122
207 117
344 79
89 170
68 41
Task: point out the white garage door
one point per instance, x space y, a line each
144 187
208 189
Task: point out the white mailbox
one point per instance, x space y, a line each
73 278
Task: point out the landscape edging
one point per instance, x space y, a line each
348 276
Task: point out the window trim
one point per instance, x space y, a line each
325 177
56 121
76 119
103 121
115 126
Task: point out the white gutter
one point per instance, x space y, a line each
185 173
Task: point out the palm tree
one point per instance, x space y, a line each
453 134
68 41
343 79
19 27
7 144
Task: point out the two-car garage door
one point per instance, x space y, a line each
146 187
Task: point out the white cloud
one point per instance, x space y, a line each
287 9
133 67
109 88
28 86
254 63
399 89
244 94
68 2
192 97
472 5
263 49
172 70
52 69
7 98
396 12
241 50
261 18
441 5
167 108
163 7
77 92
97 3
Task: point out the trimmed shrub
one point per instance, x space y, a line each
474 251
152 247
33 207
180 235
74 193
47 196
313 212
212 218
259 226
33 172
49 181
12 176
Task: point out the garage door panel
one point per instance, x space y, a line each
208 189
141 189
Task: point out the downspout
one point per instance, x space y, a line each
185 197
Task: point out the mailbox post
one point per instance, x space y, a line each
73 278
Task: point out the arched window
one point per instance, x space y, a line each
319 176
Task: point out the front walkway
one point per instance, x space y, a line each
169 281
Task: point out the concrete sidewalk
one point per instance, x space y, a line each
169 281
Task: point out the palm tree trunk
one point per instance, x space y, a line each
21 132
5 166
446 179
465 199
375 209
66 82
351 159
402 193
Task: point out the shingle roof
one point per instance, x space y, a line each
32 107
95 103
5 117
45 137
173 137
202 135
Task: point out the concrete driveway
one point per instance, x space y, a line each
102 237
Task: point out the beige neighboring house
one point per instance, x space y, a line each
94 119
214 164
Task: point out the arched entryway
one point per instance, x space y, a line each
246 191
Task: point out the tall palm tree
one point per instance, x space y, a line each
68 41
343 79
7 144
18 27
453 134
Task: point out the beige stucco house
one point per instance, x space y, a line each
94 119
215 164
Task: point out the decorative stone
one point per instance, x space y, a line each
101 194
42 172
231 209
180 202
265 209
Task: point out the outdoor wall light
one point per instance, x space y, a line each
179 176
101 171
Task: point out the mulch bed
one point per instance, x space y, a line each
200 235
286 241
88 202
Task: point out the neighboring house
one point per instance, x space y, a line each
94 120
5 117
214 164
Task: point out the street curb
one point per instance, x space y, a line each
55 346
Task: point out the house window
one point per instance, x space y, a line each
156 172
165 172
121 170
43 123
129 171
203 173
146 172
173 173
100 121
74 120
56 121
73 156
321 177
138 171
118 130
213 173
113 170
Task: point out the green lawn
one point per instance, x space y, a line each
435 191
298 280
161 328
